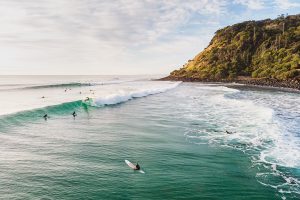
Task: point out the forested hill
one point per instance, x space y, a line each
267 49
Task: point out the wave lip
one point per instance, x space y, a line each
218 88
126 96
74 84
61 85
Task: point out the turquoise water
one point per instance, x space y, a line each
175 132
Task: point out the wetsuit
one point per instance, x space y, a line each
137 167
46 117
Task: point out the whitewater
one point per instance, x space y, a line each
106 91
194 140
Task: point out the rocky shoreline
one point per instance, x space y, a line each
260 82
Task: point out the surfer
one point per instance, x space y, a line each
137 166
87 99
74 114
134 167
228 132
45 117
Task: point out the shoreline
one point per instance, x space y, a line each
265 83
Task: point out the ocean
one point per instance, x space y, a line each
193 140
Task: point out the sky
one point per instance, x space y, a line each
124 37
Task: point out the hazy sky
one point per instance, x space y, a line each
117 36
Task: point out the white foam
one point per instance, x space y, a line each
256 132
256 128
217 88
123 96
111 92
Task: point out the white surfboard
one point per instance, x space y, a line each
132 166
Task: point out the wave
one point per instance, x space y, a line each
68 107
126 96
25 116
255 131
60 85
217 88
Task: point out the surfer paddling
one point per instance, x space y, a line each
137 166
134 167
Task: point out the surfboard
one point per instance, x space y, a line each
132 166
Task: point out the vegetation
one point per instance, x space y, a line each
258 49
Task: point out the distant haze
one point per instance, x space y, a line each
117 37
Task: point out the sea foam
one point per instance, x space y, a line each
123 96
255 129
102 92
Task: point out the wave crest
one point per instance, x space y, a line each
126 96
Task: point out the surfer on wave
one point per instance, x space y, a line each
74 114
45 117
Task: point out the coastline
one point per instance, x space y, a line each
292 85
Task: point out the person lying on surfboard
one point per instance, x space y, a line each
134 167
137 166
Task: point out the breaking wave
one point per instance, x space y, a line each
123 96
253 129
60 85
69 107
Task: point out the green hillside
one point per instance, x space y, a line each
257 49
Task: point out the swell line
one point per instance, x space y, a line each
68 107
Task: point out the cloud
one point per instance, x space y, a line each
111 21
49 34
86 36
286 4
251 4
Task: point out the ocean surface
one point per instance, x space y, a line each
176 131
